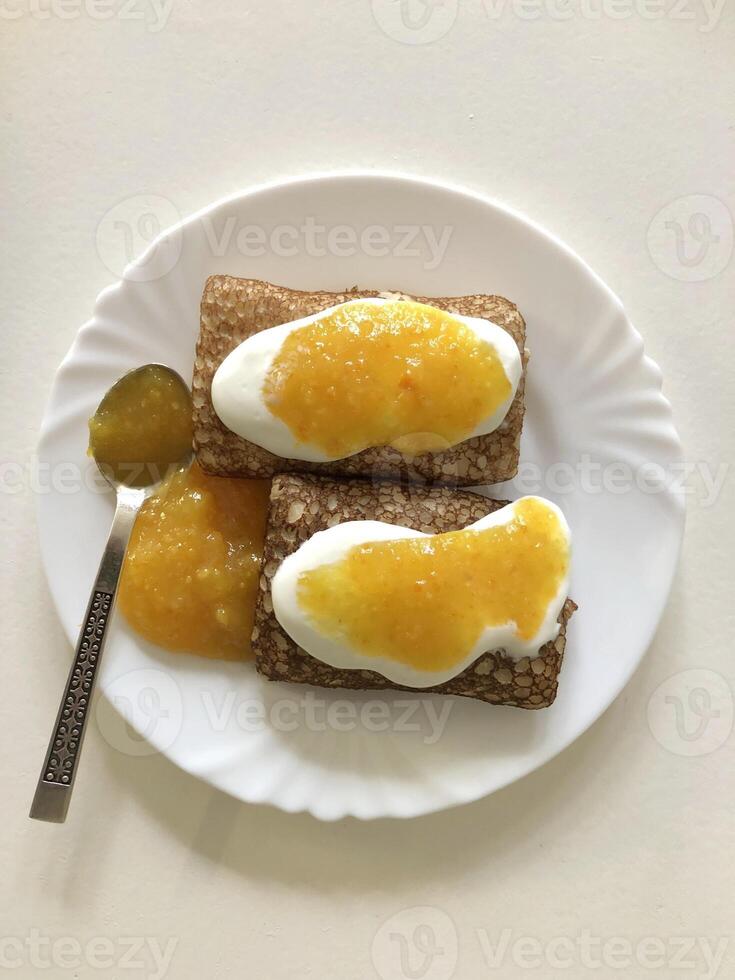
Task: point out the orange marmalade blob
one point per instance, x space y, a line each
191 572
142 426
425 601
401 374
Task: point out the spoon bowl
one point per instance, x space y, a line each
142 428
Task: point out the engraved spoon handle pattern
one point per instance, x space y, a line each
56 781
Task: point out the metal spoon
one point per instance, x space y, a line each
56 781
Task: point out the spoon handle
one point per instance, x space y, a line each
56 781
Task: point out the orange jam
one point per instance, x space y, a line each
425 601
142 426
191 572
400 374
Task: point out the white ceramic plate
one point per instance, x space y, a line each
595 417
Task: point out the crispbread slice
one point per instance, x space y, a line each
234 309
303 505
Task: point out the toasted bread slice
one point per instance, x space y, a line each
234 309
303 505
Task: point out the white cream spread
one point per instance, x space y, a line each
332 545
237 387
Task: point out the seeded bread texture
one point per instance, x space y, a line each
234 309
303 505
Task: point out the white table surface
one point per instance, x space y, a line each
616 858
